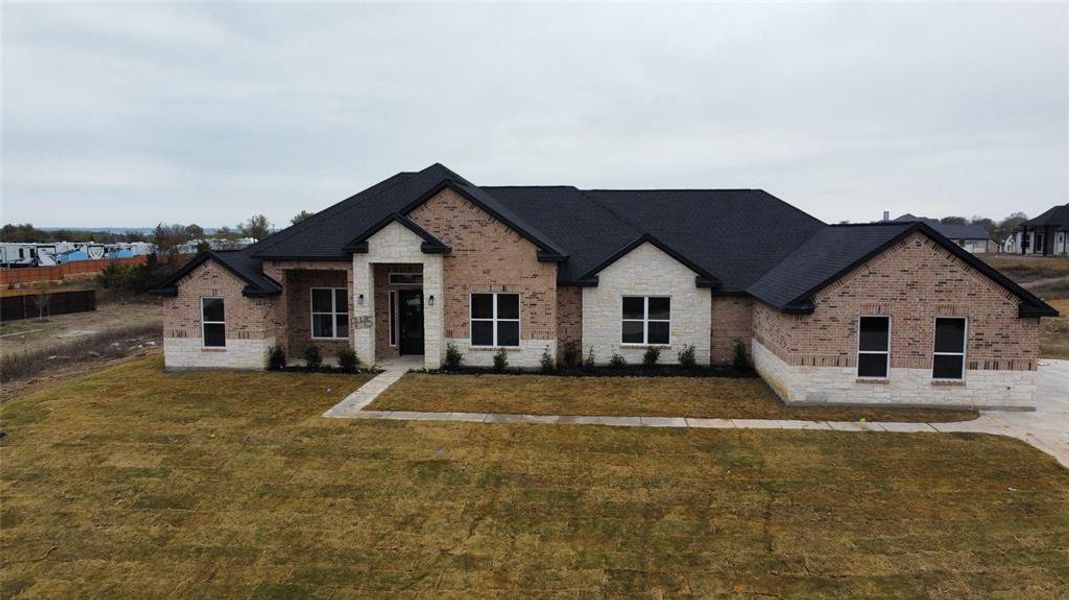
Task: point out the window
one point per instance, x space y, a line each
213 322
646 320
330 313
948 361
393 318
495 319
873 346
406 278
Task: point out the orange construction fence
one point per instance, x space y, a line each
78 267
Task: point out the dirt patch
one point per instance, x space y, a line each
29 335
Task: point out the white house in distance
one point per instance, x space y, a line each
1047 234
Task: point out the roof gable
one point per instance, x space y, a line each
237 262
839 249
430 244
703 278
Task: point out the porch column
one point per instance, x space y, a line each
433 316
363 314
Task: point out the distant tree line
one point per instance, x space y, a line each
998 230
27 233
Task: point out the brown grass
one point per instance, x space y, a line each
713 397
1026 269
133 483
104 345
1054 332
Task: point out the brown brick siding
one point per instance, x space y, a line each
246 318
383 288
569 318
913 282
732 321
487 256
293 308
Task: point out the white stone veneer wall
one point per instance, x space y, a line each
190 353
840 385
396 244
527 356
646 271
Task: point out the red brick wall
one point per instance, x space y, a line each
246 318
293 313
732 321
913 282
569 318
488 256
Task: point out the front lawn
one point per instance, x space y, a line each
140 484
711 397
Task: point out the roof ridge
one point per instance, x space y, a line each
337 206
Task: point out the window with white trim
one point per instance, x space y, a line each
948 360
330 313
213 322
873 346
646 320
495 320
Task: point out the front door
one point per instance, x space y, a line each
411 302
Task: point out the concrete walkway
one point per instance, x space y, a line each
1047 428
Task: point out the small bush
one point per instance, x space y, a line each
570 355
589 362
740 362
652 355
686 357
547 362
348 360
617 361
312 358
501 360
276 358
453 357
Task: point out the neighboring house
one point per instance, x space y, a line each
879 313
1046 234
973 237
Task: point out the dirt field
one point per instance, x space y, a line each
27 335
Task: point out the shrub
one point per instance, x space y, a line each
312 358
570 355
453 357
649 359
501 360
617 361
348 360
547 361
740 361
276 358
589 362
686 357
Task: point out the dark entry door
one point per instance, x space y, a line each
411 302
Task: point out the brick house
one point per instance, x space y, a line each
880 313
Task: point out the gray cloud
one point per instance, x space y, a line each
134 114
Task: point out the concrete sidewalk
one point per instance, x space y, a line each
1046 429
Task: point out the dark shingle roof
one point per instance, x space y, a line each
1058 215
789 284
966 231
239 262
736 241
837 249
736 235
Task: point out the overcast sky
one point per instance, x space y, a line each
128 115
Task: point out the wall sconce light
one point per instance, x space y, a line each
430 300
360 300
